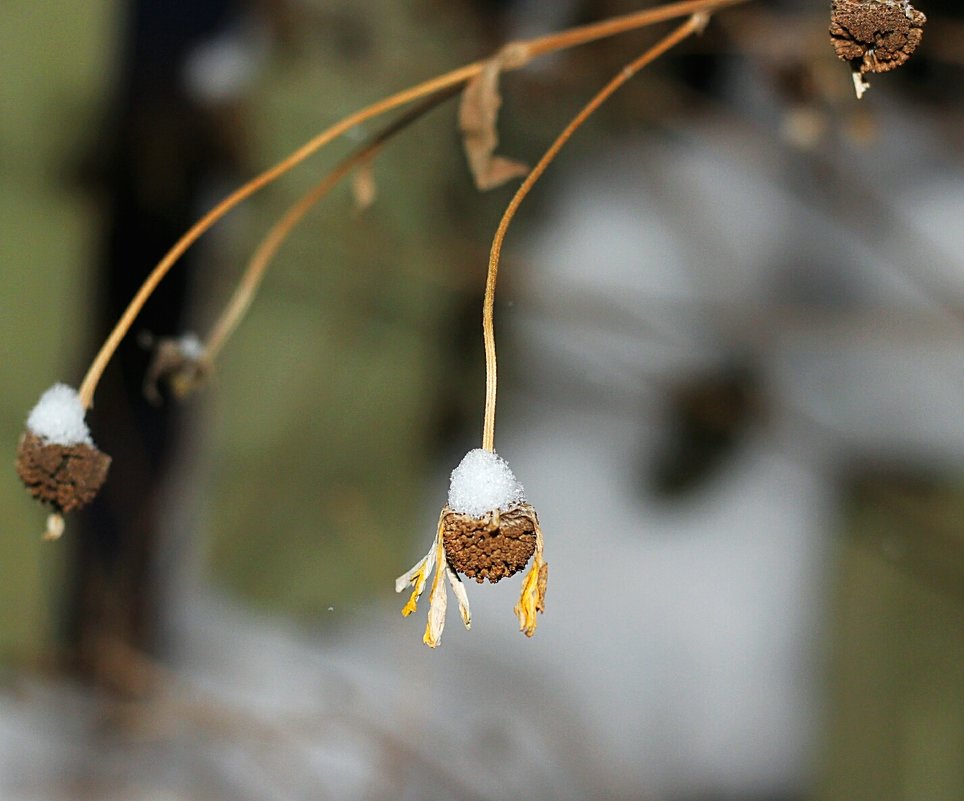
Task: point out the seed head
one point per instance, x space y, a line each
56 457
875 35
492 547
65 477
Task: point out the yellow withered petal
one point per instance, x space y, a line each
532 599
417 578
531 602
418 581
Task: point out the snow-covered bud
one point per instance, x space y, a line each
488 528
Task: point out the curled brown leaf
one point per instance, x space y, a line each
478 116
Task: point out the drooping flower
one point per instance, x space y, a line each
56 457
486 531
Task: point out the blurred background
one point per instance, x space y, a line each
731 330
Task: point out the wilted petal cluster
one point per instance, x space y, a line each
491 544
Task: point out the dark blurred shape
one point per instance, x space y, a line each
708 416
161 147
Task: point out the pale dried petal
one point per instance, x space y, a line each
363 187
409 578
437 603
55 527
860 84
461 595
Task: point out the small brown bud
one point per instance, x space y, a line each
177 362
875 35
492 547
66 477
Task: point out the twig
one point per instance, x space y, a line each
522 52
251 279
694 24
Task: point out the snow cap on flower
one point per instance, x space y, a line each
482 483
58 417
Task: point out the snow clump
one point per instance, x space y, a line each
482 483
190 346
58 417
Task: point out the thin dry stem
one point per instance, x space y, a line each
96 369
523 51
616 25
694 24
251 279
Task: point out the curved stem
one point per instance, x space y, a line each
616 25
521 51
244 294
96 369
695 23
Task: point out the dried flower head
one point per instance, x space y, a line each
57 459
486 531
492 547
180 363
66 477
874 35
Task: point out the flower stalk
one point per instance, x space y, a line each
244 294
694 24
521 53
42 459
488 530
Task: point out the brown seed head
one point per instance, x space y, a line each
66 477
879 34
491 547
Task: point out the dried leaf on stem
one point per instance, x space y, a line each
478 115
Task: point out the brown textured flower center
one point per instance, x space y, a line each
880 34
66 477
491 547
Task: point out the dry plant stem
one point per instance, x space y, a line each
616 25
96 369
694 24
522 52
251 279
